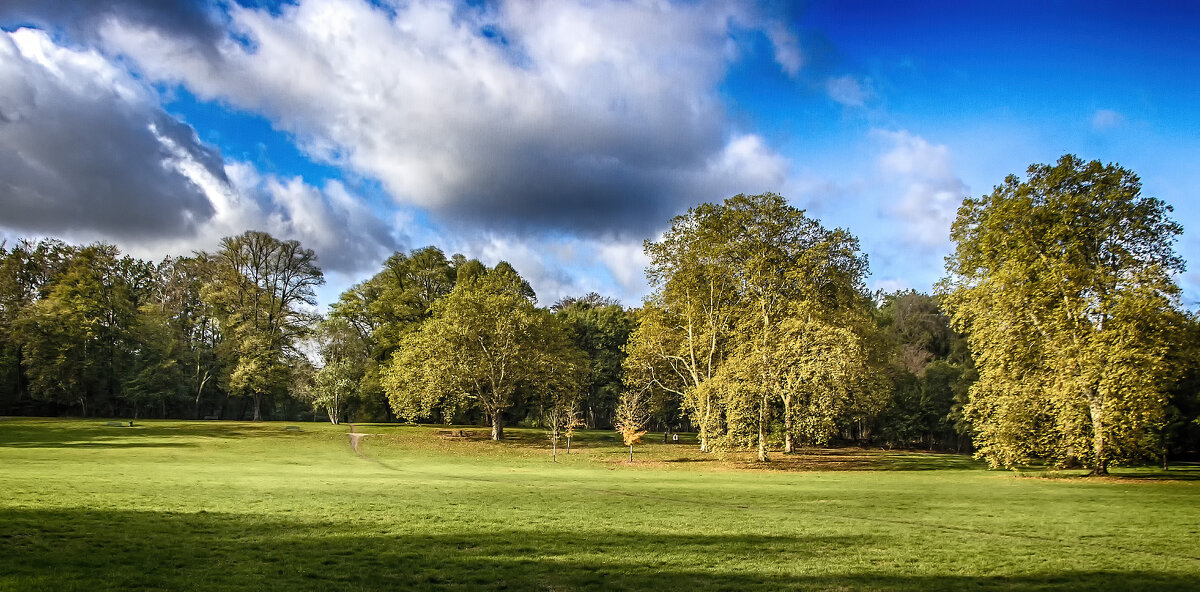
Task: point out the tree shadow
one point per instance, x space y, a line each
118 550
57 433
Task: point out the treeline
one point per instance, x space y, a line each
234 334
87 331
1057 335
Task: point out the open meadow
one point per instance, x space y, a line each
235 506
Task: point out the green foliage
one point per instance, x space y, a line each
261 294
1063 285
758 315
600 328
929 369
484 345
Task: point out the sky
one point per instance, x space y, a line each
560 135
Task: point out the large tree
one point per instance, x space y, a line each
263 294
758 315
1063 284
484 345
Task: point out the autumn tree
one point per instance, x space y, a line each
631 418
1063 284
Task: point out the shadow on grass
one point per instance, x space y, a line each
860 459
56 433
1189 472
116 550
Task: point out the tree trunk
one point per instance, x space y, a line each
1096 407
554 449
569 446
762 428
631 453
497 425
257 412
789 446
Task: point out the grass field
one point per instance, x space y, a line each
238 506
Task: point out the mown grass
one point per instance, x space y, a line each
236 506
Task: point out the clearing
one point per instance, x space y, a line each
234 506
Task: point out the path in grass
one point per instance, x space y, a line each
229 506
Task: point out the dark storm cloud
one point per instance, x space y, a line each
191 20
81 149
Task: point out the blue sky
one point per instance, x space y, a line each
558 136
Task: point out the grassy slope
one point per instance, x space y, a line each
176 505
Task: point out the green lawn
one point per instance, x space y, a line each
237 506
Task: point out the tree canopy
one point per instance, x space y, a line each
483 345
1063 283
758 316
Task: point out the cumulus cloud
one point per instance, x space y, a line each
560 266
596 117
87 153
1106 119
195 21
929 191
82 143
345 232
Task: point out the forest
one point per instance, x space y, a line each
1056 336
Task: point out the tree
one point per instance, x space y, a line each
27 272
75 340
600 328
484 344
685 327
928 366
562 418
631 418
767 305
263 296
1063 285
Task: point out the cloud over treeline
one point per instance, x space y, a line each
88 153
594 117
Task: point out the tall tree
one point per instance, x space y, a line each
76 339
263 297
27 272
1063 284
484 344
765 304
686 325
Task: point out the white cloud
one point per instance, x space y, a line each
597 117
87 153
848 91
787 48
890 285
1106 119
927 190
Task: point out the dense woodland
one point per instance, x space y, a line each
759 334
